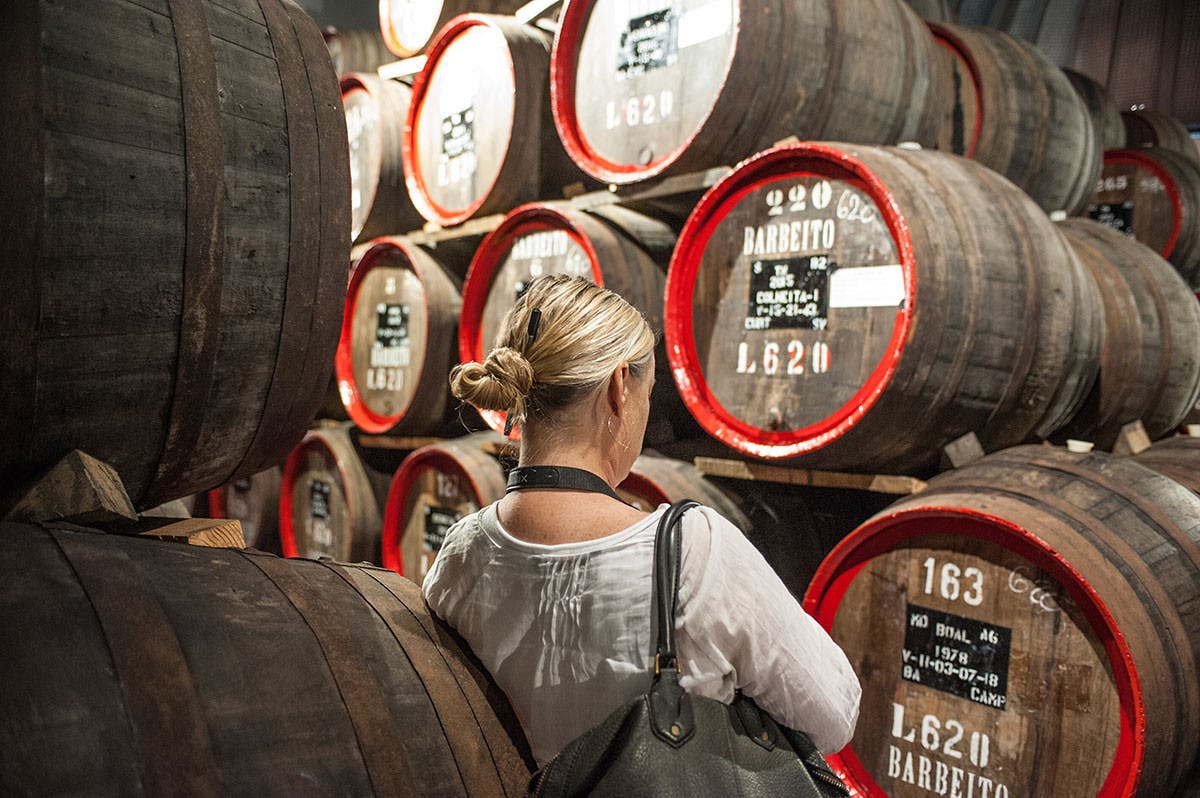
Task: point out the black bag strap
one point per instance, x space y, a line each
668 547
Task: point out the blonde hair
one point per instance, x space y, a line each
584 334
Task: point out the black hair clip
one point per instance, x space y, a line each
531 332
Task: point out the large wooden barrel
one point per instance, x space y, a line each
184 335
1150 366
1146 128
434 487
327 505
1015 112
656 480
398 335
139 667
354 50
861 307
1154 195
253 501
1027 622
934 10
616 248
375 113
1106 117
479 138
1177 458
408 26
646 89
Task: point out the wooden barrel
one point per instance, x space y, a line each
1027 623
408 26
1150 365
1146 128
934 10
185 333
397 345
1016 112
375 114
1106 117
616 248
327 507
1177 458
353 50
1154 195
139 667
479 138
656 480
254 501
434 487
646 89
862 307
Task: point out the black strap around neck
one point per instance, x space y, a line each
562 477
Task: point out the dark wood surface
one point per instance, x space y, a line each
254 501
181 244
1106 117
151 668
355 50
1177 458
1147 128
1127 539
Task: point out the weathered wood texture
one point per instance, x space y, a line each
353 50
173 206
1016 112
1029 619
254 501
1177 458
1146 128
375 113
1106 117
861 307
479 138
655 480
134 667
408 26
327 505
935 10
434 487
398 340
78 488
616 248
639 93
1150 365
1153 194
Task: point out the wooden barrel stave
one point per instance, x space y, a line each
1029 124
1146 128
312 677
327 505
1177 458
1161 366
856 72
1032 358
381 391
1106 117
353 50
253 501
375 114
434 488
655 480
1154 195
1111 548
230 280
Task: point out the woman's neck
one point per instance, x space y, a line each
574 447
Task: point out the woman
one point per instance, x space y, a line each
551 586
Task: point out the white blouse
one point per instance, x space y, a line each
566 630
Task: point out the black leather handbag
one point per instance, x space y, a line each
669 743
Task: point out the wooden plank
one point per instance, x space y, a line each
1132 440
215 533
397 442
402 69
758 472
80 489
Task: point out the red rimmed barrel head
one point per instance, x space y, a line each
253 501
396 348
655 480
1013 632
432 490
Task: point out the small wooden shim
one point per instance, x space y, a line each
215 533
961 451
79 489
397 443
877 483
1132 440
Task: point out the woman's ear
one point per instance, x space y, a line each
618 389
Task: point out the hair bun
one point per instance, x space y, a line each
501 382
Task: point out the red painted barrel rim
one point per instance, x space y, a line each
563 61
528 218
350 83
1142 159
216 502
807 158
287 534
417 189
393 528
884 532
644 487
388 32
348 391
948 39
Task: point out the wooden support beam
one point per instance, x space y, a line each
877 483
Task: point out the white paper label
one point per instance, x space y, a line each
867 287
